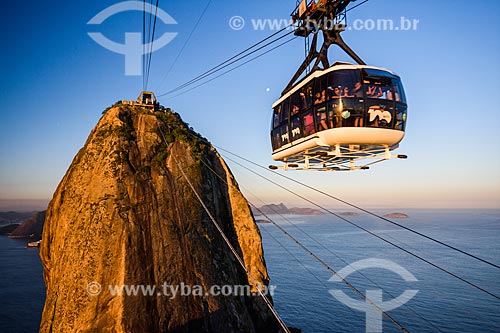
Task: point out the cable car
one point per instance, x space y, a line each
340 117
340 114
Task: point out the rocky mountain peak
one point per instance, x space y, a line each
124 215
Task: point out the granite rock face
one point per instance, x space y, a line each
125 215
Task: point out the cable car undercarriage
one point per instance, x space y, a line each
338 158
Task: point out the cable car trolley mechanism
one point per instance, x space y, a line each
340 117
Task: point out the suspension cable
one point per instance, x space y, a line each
148 39
185 43
324 264
234 68
226 240
259 210
312 238
143 45
366 211
371 232
350 222
150 53
241 55
337 256
224 64
300 263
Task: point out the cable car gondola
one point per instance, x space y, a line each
340 117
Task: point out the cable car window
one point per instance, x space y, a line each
307 95
319 104
399 91
276 138
396 95
401 108
295 128
400 123
298 102
344 83
284 111
378 88
380 104
319 90
308 123
335 109
295 103
321 121
285 138
381 89
379 84
277 115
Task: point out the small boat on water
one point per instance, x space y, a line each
34 244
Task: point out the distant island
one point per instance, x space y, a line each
397 216
348 214
282 209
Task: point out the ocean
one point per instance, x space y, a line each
303 294
442 304
22 290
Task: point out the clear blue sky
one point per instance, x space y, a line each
55 82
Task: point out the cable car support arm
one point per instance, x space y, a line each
324 16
